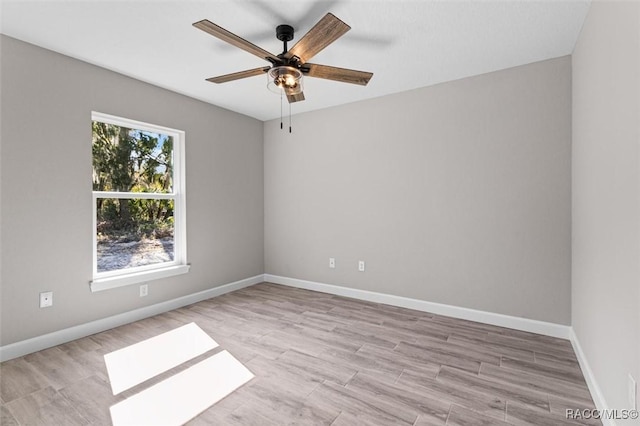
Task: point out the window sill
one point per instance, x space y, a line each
108 283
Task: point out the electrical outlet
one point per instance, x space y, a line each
632 392
332 262
144 290
361 266
46 299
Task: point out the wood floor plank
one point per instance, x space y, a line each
363 363
329 321
488 405
159 323
217 415
82 346
361 337
467 324
45 407
360 418
391 357
567 361
253 344
472 352
434 409
250 316
571 375
396 313
305 321
294 341
534 345
6 418
18 378
355 315
282 374
353 304
549 385
92 360
285 306
453 329
424 352
420 328
355 402
282 405
496 349
209 311
112 340
460 416
522 415
320 359
91 397
212 417
317 367
560 404
326 338
555 342
246 415
488 386
387 333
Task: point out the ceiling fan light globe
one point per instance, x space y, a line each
285 79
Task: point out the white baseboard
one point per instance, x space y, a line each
24 347
517 323
35 344
596 392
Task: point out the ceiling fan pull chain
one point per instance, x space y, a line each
289 117
280 110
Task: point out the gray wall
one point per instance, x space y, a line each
46 228
457 193
606 195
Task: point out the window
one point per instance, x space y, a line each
139 221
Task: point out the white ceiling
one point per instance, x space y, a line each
406 44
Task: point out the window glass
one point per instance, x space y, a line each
126 243
130 160
138 200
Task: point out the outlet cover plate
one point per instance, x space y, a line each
144 290
46 299
632 392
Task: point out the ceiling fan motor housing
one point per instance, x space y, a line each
284 32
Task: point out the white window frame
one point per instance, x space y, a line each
122 277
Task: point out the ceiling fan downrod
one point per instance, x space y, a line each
284 33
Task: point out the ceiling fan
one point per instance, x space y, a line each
287 68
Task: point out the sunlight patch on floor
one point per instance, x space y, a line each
142 361
183 396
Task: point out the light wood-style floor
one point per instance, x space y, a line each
321 360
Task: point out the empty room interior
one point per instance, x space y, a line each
319 212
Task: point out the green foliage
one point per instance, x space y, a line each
129 160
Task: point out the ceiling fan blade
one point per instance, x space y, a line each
338 74
295 97
325 32
224 35
238 75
